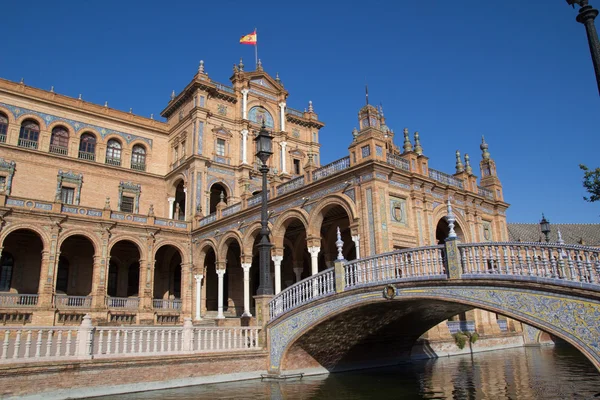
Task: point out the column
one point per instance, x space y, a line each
277 261
356 240
244 103
187 203
198 278
171 200
282 113
314 260
283 157
246 268
244 149
220 273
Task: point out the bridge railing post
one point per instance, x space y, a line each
453 264
340 276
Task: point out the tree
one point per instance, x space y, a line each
591 183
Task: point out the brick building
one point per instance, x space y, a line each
133 220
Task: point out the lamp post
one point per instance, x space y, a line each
586 16
264 146
545 228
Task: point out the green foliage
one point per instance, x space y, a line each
591 183
473 337
460 339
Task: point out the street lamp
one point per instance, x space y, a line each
545 228
264 147
586 16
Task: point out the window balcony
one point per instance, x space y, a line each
30 144
59 150
138 166
84 155
113 161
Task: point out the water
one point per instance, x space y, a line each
559 372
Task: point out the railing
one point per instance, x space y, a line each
84 155
138 166
305 291
461 326
30 144
445 178
398 162
485 192
231 209
257 199
10 300
294 112
113 161
401 264
224 88
59 149
63 301
33 344
123 302
208 219
290 186
564 262
331 168
167 304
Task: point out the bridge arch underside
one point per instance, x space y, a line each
362 330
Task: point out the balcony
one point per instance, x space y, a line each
62 150
138 166
116 161
29 144
445 178
3 138
84 155
127 303
68 302
10 300
174 304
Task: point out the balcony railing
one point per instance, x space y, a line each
487 193
84 155
62 150
290 186
231 209
113 161
398 162
331 168
9 300
63 301
167 304
30 144
445 178
224 88
208 219
131 303
138 166
294 112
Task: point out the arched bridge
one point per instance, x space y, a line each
371 311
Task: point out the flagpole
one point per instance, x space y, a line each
255 51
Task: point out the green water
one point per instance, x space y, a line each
523 373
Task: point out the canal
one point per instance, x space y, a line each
553 372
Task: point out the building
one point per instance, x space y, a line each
134 220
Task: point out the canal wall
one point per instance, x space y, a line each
86 378
427 348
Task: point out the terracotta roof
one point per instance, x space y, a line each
571 233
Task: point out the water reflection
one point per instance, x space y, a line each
524 373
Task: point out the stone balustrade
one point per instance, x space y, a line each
130 303
174 304
290 186
64 301
398 162
487 193
331 168
445 178
10 300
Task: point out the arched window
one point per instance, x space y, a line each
3 127
138 158
87 147
29 135
113 152
6 267
59 141
259 115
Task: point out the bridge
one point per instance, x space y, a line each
370 311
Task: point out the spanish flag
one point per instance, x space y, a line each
249 39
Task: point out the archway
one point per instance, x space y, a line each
233 285
334 217
216 190
179 206
211 292
294 253
75 269
124 270
21 262
442 231
167 278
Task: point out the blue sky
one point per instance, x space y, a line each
518 72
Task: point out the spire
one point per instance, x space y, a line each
354 133
459 165
52 89
201 67
241 65
450 218
277 78
468 165
367 93
310 106
560 239
173 95
235 68
407 144
418 148
484 149
259 65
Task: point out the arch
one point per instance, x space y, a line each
29 133
440 212
179 205
215 195
21 118
76 264
59 139
525 304
4 121
7 264
138 157
249 237
209 244
224 242
26 269
182 251
172 182
316 214
72 232
284 218
114 148
9 115
43 236
141 247
87 146
168 262
260 113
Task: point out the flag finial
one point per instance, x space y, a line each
367 93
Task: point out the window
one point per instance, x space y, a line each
87 147
296 166
138 158
67 195
2 183
6 267
183 149
220 147
113 152
59 141
29 134
3 127
127 204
